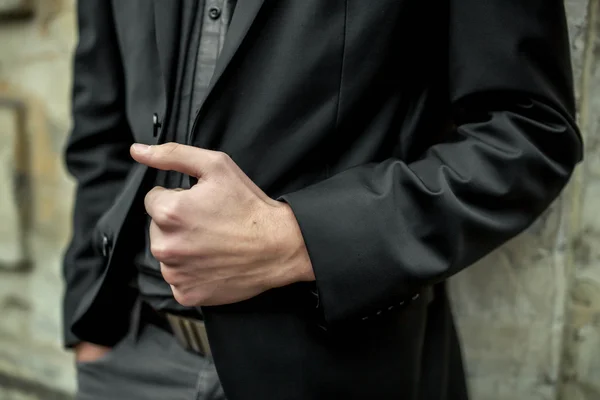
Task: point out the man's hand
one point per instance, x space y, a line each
223 240
90 352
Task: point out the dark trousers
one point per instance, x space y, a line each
148 364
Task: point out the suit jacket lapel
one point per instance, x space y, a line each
167 16
243 16
167 28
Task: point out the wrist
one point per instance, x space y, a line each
292 262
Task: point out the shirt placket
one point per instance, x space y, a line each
217 14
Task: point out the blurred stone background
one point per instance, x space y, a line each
529 314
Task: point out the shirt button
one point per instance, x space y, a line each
156 124
105 246
214 13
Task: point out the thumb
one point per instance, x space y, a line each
171 157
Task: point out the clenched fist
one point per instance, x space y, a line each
223 240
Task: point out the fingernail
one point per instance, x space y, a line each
141 148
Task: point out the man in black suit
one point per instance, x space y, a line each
305 176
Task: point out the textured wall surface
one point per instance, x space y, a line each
529 313
35 58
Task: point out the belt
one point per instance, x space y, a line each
190 333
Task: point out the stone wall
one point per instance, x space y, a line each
529 313
35 58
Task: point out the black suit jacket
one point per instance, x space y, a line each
409 140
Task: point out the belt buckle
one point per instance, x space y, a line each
191 334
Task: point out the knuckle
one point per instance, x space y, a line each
221 159
168 274
171 275
148 199
168 213
186 299
162 252
169 148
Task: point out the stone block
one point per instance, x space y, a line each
15 8
11 229
577 18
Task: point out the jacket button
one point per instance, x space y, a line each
214 13
105 246
156 124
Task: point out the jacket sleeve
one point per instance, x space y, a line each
379 233
97 152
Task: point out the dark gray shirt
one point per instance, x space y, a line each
208 36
